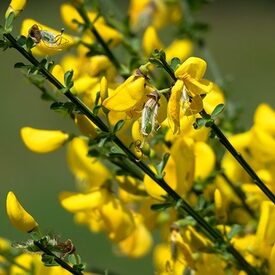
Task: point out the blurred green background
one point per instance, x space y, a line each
242 40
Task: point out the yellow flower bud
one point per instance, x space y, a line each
16 6
43 141
18 216
180 49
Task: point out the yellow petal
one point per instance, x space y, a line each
118 219
264 118
16 6
44 48
74 202
43 141
58 72
173 107
180 49
18 216
84 83
197 87
86 168
194 67
151 41
138 243
213 98
85 125
193 107
219 206
205 160
128 95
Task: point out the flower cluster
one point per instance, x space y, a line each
159 111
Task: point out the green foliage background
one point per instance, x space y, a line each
242 40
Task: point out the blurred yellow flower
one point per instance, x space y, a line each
18 216
43 141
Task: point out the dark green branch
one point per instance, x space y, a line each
57 259
212 233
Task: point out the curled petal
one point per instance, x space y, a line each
18 216
197 87
194 67
74 202
173 107
128 95
43 141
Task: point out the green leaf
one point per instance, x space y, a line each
29 43
19 65
175 62
218 109
200 122
118 126
94 153
160 167
160 206
21 40
8 22
68 79
48 260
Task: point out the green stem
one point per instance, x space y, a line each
57 259
90 25
212 233
241 195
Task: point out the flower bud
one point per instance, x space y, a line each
43 141
18 216
16 6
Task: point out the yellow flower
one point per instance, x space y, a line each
74 202
48 41
16 6
189 85
18 216
212 99
128 95
182 155
151 41
139 241
43 141
85 168
118 220
85 125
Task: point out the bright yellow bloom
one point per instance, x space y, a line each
213 98
128 95
138 243
189 84
16 6
85 125
43 141
264 118
57 41
18 216
118 220
85 168
74 202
